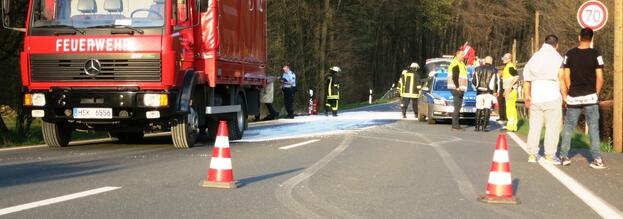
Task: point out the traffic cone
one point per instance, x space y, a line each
221 174
500 185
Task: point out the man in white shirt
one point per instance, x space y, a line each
543 77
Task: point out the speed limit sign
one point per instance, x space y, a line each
593 14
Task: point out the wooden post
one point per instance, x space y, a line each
515 51
618 77
537 27
532 50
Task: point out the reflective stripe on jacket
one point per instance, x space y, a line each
333 88
409 87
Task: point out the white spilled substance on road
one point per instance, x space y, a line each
50 201
312 126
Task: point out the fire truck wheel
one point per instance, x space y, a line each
56 135
237 124
185 130
128 137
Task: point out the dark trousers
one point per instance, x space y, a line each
288 100
405 105
331 105
482 119
458 103
502 107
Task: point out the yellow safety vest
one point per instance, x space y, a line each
333 91
409 86
507 78
462 75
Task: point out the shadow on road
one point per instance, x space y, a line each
255 179
35 172
515 186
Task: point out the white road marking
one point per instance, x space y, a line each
50 201
299 144
601 207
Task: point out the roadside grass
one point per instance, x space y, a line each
35 136
579 140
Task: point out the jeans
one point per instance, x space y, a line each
550 115
591 112
458 103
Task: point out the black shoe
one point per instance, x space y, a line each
404 116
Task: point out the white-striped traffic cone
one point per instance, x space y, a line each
221 174
500 185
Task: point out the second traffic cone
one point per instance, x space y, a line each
500 185
221 174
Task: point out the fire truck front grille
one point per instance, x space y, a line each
109 67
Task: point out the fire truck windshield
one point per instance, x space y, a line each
98 13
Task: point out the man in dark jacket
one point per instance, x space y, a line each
486 83
333 91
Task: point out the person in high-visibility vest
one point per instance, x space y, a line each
333 91
510 78
457 84
409 89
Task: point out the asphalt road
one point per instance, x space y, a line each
370 165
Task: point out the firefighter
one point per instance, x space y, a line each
409 89
510 78
333 91
485 82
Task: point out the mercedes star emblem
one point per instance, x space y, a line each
92 67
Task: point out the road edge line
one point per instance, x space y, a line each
299 144
55 200
601 207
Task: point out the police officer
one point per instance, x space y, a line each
409 89
457 84
510 78
333 91
485 82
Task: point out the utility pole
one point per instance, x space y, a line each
537 27
618 77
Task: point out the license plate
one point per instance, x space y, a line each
92 113
469 110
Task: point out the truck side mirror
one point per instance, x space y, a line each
6 17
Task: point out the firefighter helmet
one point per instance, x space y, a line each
414 65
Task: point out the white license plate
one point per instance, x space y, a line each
92 113
469 110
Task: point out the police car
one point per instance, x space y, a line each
436 101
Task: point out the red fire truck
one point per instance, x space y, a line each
130 66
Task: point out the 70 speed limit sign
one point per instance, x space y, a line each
593 14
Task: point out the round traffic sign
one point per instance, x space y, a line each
593 14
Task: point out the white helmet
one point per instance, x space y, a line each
414 65
335 69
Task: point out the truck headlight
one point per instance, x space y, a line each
38 99
155 100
